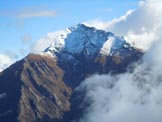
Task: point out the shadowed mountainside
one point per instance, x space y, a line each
41 88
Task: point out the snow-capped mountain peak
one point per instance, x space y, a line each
88 40
59 41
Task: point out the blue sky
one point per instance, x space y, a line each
23 22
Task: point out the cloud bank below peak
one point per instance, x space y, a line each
129 97
132 96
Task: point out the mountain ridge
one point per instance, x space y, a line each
80 37
42 86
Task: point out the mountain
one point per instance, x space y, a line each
41 87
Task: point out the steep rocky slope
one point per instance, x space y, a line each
40 88
34 90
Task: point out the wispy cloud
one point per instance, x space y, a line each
29 12
42 13
130 3
5 61
7 58
106 10
26 38
44 42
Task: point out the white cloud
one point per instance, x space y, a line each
45 42
132 96
26 38
129 97
99 24
137 25
5 61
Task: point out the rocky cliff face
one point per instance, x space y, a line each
40 88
